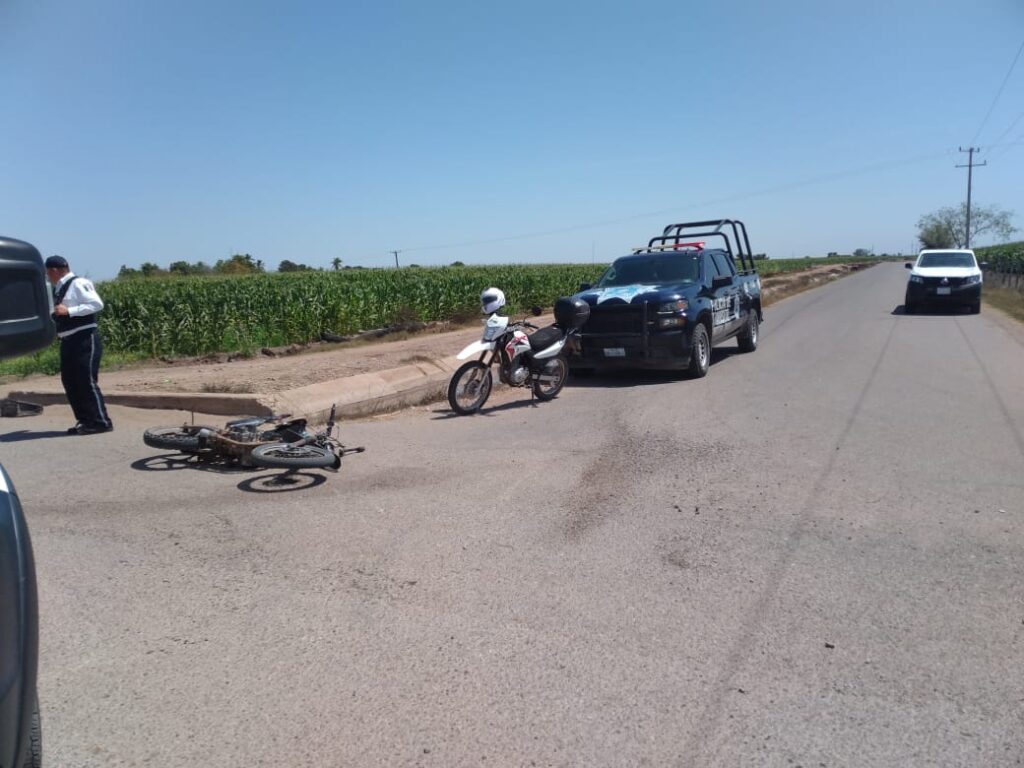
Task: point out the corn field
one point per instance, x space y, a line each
195 316
1005 264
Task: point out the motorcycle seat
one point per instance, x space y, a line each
544 338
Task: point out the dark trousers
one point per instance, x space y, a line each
80 355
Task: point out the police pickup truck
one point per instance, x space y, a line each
665 305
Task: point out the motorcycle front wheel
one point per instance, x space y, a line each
549 382
285 456
469 388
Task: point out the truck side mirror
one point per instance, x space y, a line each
26 303
585 286
909 265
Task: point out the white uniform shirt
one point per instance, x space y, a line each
81 299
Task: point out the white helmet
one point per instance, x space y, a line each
492 300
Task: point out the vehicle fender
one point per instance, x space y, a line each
552 351
476 348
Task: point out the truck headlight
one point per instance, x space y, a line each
916 279
679 305
972 279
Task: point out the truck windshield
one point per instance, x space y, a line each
654 269
951 259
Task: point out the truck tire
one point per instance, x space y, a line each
700 352
747 338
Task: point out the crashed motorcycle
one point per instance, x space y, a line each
524 359
257 441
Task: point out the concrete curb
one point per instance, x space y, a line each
353 396
203 402
368 393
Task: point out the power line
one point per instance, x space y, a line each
998 94
1007 131
821 179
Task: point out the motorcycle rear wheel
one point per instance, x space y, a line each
285 456
469 388
182 439
555 369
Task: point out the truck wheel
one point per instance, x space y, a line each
976 308
700 352
747 338
908 306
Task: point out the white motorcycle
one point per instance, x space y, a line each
524 359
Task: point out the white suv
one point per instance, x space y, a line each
947 277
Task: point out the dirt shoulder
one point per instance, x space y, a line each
273 374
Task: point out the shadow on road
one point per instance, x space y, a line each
487 410
24 434
168 462
288 480
640 377
282 483
901 309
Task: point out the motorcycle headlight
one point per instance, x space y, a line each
916 279
972 279
677 306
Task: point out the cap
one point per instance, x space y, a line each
56 262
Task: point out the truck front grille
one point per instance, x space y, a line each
616 319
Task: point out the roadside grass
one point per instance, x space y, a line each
47 362
1009 300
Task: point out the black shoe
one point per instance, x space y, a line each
84 430
74 430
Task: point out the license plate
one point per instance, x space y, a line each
614 352
942 291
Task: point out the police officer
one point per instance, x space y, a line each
76 305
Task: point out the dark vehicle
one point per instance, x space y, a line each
665 305
25 326
944 277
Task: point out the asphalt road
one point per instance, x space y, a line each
812 557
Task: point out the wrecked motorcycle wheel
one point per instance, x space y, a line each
285 456
181 439
551 379
469 388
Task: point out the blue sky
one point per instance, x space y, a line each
485 132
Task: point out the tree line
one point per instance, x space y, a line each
238 264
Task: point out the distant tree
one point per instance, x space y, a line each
127 273
861 253
335 263
180 268
291 266
935 234
458 264
760 256
239 264
947 227
149 269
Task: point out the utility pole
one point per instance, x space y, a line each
396 257
970 167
